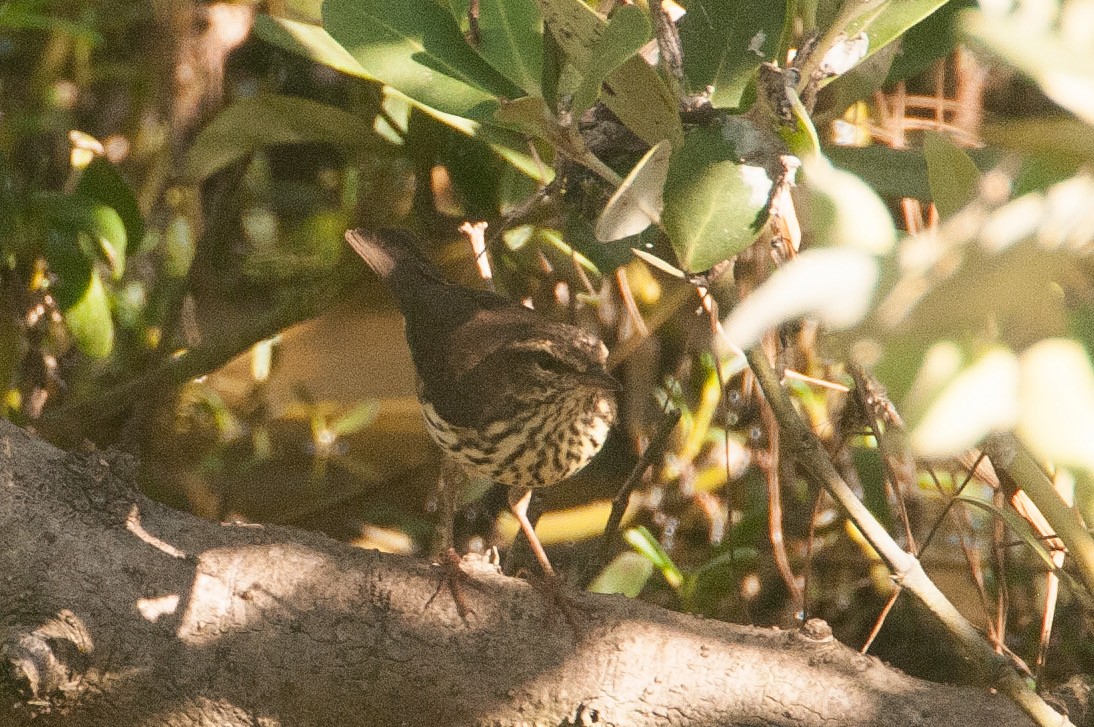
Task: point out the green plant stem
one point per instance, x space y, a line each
1024 470
908 573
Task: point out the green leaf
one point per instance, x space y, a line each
79 293
416 46
890 21
101 181
309 41
639 200
253 123
715 206
723 43
628 30
895 173
510 38
89 321
954 178
643 542
628 573
634 91
75 213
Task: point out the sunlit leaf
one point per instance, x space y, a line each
643 542
628 573
510 38
887 21
715 206
1057 403
834 285
637 95
638 202
981 398
356 419
79 293
724 42
253 123
1063 70
308 40
416 46
837 208
627 30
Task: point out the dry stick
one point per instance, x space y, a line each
891 442
654 450
884 614
907 570
1010 456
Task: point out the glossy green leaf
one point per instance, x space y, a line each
628 573
885 22
253 123
510 38
101 181
628 30
79 293
75 213
954 178
723 43
416 46
715 206
308 40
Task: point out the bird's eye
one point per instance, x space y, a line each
547 362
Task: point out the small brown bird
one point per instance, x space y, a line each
509 395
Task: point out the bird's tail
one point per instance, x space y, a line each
387 252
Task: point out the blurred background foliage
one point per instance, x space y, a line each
175 179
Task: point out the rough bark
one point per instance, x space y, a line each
117 610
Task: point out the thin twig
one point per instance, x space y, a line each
907 570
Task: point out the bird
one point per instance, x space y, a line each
507 394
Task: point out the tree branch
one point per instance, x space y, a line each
118 610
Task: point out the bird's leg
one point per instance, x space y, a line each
452 576
519 498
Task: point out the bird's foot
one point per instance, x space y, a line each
559 597
454 579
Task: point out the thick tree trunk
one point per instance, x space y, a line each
118 611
